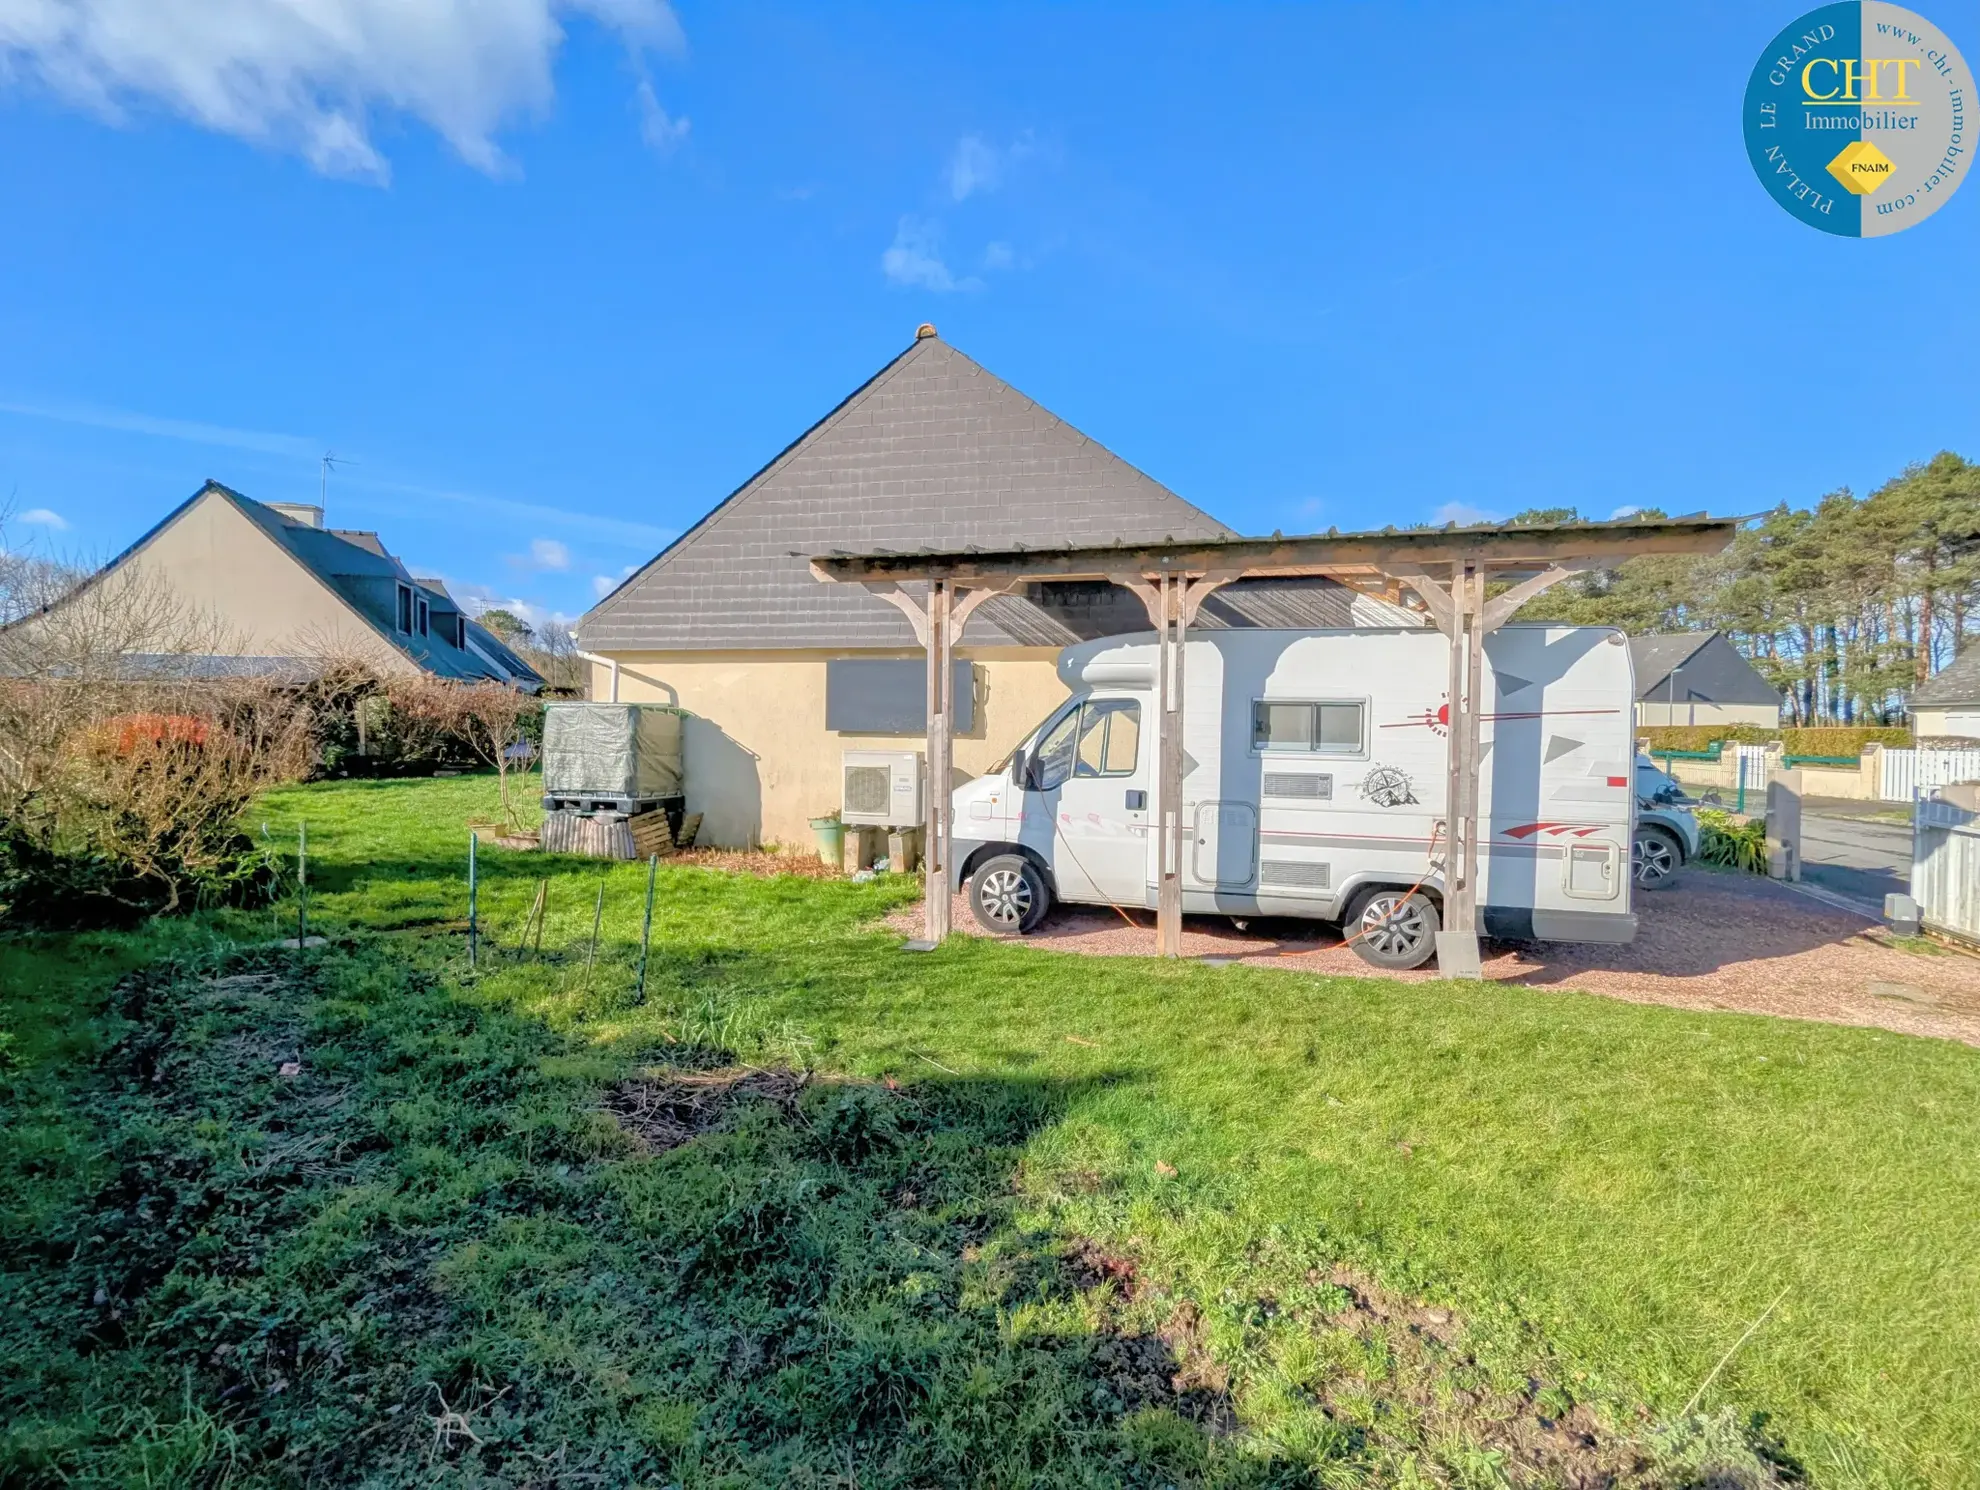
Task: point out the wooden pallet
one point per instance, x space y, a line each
611 837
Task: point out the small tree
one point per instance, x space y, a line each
509 626
490 719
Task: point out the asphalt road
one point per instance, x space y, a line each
1854 856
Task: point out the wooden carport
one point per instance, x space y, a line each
1450 571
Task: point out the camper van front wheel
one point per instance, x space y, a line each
1008 895
1393 929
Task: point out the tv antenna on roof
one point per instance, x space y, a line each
330 458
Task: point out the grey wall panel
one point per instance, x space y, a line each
889 696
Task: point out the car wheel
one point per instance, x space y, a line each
1008 895
1655 857
1393 930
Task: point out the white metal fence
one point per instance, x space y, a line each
1945 868
1906 773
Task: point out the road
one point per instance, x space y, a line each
1853 855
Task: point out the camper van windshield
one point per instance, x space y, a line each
1030 736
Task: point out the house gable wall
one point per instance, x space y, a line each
259 598
760 763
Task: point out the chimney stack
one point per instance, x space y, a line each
306 513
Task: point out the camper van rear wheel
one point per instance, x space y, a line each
1393 929
1655 858
1008 895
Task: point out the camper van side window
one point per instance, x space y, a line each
1109 737
1307 728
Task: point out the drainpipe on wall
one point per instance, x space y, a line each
612 663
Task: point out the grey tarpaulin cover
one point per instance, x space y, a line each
620 750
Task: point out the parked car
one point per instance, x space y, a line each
1666 837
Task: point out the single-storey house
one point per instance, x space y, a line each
781 674
1699 677
275 591
1947 706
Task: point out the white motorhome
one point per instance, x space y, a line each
1315 778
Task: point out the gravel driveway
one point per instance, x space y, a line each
1711 941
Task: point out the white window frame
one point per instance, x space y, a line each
425 617
1314 751
402 610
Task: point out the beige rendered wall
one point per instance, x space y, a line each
247 591
759 761
1937 724
1764 715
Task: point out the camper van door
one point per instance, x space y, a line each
1090 769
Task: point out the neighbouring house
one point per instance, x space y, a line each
1699 677
1947 707
780 674
270 589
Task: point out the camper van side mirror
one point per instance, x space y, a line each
1020 768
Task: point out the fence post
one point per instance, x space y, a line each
597 916
1784 825
472 838
302 885
646 930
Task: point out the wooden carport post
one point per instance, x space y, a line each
1172 601
938 624
1465 617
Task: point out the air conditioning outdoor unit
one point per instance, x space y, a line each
881 788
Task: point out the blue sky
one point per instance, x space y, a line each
556 278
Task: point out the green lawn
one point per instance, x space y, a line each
1032 1218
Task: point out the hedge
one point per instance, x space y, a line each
1834 740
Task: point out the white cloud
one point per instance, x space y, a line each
476 599
602 585
977 166
42 517
310 75
998 256
168 429
1622 512
548 553
1463 514
659 129
915 258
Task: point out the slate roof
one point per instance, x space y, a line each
933 451
366 578
1956 683
1657 656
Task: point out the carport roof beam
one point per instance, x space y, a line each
1500 548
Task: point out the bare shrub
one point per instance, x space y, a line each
491 719
130 744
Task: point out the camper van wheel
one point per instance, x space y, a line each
1393 930
1008 895
1655 858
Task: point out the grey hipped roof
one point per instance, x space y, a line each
931 452
1956 683
1655 657
1713 670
